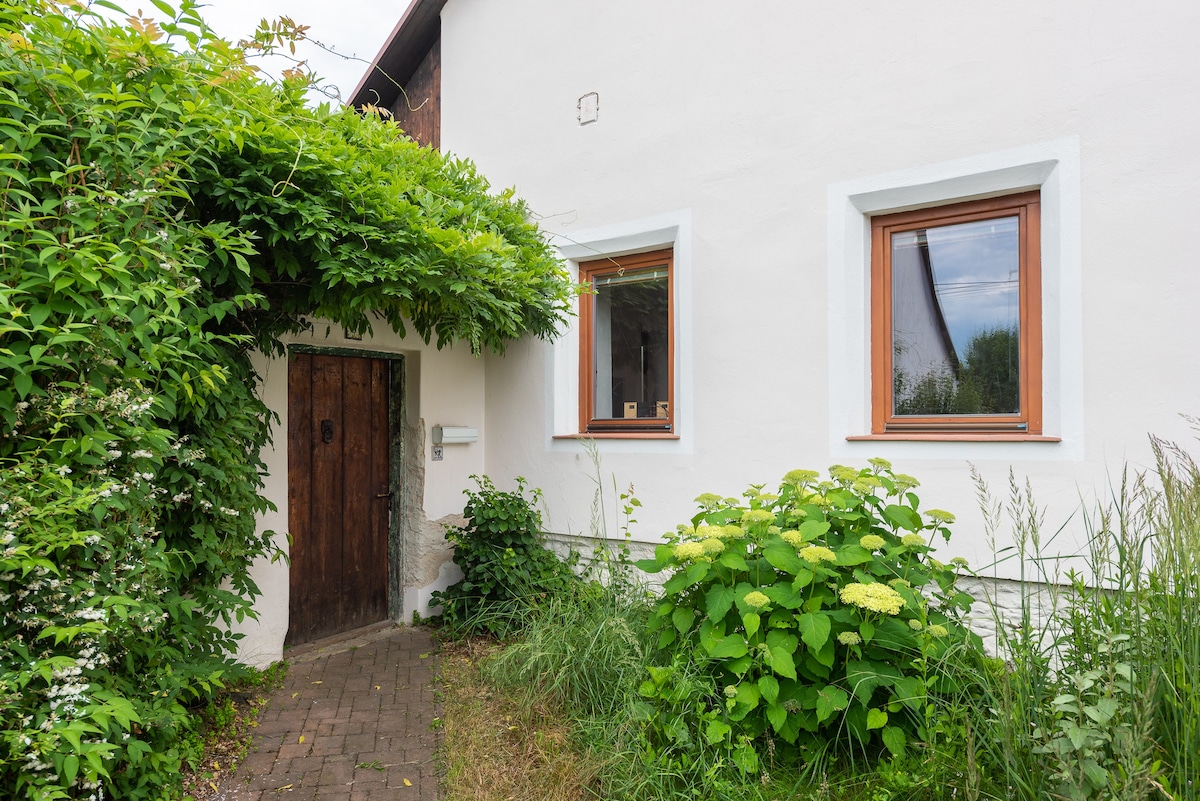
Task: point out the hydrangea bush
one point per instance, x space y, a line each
818 609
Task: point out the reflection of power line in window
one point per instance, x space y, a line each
963 288
973 283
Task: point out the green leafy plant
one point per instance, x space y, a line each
1098 695
1089 717
507 569
818 611
163 214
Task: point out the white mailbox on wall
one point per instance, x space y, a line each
454 435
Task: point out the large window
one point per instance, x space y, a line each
956 319
626 362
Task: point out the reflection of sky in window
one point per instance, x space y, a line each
975 272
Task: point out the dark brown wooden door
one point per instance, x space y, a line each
338 493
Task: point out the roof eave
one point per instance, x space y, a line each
400 55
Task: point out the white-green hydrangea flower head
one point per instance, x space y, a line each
798 478
939 516
872 542
793 538
689 551
752 516
873 597
756 599
815 554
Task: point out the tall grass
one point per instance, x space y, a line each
1173 621
581 661
585 650
1098 694
582 655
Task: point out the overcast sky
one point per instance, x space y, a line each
352 27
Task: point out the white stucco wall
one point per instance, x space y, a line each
443 388
759 140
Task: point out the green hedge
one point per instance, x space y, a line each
164 213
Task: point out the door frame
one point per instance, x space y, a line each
396 454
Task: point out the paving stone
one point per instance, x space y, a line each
330 698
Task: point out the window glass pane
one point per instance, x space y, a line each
956 319
631 348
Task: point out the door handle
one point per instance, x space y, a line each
384 495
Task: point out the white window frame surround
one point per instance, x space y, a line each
1052 167
670 230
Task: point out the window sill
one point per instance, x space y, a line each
619 435
964 436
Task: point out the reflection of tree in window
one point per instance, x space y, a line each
987 380
633 309
955 342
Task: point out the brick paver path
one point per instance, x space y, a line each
354 721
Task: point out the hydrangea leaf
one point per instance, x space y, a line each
716 731
783 557
902 517
683 617
730 646
814 630
777 716
718 601
812 529
768 685
830 700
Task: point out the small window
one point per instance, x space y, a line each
956 319
626 364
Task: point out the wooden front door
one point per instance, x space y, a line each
338 493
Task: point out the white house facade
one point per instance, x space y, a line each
779 206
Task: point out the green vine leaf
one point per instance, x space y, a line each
894 739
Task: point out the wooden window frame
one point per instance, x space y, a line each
1026 206
641 427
